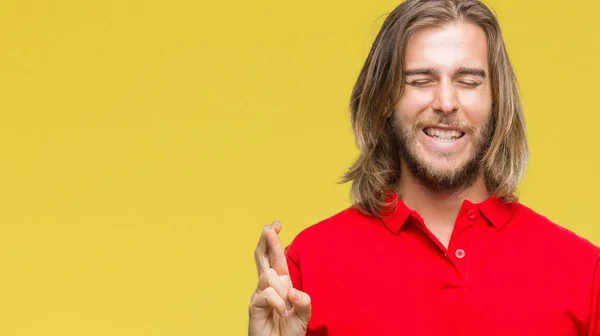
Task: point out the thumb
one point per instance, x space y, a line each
301 302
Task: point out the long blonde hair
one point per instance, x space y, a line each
380 85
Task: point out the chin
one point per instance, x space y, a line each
444 167
443 163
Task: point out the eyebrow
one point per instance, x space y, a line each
472 71
460 71
423 71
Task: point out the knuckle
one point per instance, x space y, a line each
256 292
252 305
252 300
299 296
269 291
303 298
280 258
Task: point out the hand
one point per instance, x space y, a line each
276 308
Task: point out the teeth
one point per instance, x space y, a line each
443 134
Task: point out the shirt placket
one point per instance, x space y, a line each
461 253
461 246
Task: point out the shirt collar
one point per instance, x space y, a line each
497 211
395 213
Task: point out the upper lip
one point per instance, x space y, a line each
445 127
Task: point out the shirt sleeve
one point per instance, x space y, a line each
594 329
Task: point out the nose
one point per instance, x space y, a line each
445 100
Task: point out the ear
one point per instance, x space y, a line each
389 110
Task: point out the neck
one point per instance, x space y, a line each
435 206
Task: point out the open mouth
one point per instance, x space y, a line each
443 135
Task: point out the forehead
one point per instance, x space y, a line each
448 47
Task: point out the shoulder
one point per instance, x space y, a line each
346 219
546 232
320 235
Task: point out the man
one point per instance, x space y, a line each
436 242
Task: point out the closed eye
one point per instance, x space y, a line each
470 83
420 82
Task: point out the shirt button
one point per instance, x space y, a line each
472 214
460 253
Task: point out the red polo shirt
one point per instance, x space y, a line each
508 271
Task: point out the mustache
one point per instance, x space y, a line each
445 120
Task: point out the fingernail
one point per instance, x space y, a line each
296 295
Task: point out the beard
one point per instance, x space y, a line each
439 177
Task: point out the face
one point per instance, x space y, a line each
442 121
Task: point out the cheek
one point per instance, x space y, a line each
477 107
413 102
